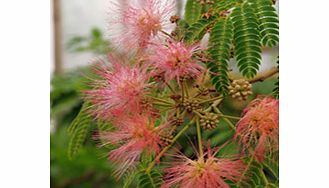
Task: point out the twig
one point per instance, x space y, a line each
263 76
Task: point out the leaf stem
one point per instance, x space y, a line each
225 119
245 170
211 100
161 100
170 88
164 32
230 117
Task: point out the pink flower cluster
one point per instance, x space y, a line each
121 89
206 172
141 22
122 95
258 128
134 135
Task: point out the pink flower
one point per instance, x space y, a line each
134 135
259 126
209 172
121 89
174 60
141 21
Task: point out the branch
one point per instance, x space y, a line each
263 76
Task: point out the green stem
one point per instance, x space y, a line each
225 119
161 100
264 177
166 33
171 89
179 134
245 170
230 117
186 88
211 100
162 104
197 113
199 138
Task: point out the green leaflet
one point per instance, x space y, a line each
128 179
192 11
275 91
268 22
149 180
246 40
197 30
78 131
256 176
219 49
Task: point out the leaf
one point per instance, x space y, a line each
268 22
192 11
152 179
220 5
255 176
181 29
78 131
197 30
219 49
247 40
128 180
275 91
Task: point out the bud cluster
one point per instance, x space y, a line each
209 120
240 89
191 104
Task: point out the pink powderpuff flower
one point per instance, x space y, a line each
174 60
259 127
120 90
134 135
138 22
209 172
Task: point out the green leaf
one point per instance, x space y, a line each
255 176
268 22
197 30
192 11
275 91
78 131
128 179
219 49
220 5
246 40
152 179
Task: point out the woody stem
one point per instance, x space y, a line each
261 77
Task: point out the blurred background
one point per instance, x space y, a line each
79 35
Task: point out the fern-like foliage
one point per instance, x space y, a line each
151 179
78 131
255 176
219 49
197 30
192 11
247 40
275 91
268 22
